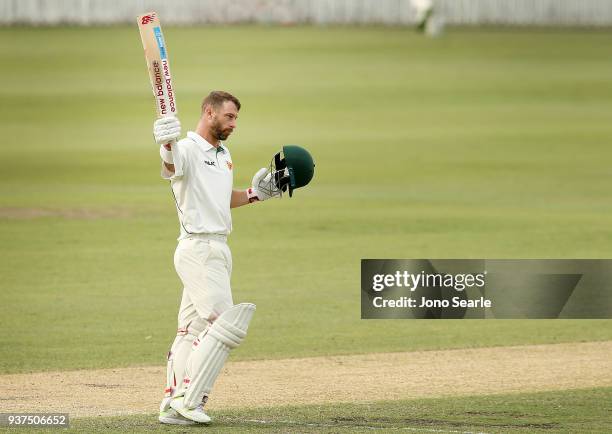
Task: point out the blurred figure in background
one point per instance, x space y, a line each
427 21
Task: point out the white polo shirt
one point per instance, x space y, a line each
202 186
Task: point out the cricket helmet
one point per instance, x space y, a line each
291 168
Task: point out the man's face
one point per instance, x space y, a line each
223 120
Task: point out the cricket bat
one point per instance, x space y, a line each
156 56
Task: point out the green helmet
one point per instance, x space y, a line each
292 168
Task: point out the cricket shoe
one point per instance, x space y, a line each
172 417
195 414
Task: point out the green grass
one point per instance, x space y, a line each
569 411
480 144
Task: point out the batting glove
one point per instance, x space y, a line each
263 188
166 130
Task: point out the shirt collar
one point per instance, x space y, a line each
201 141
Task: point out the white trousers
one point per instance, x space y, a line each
204 265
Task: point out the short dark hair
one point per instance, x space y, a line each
216 99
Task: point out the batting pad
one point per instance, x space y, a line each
210 351
177 358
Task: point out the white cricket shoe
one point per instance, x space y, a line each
196 414
172 417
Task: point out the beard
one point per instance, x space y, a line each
218 132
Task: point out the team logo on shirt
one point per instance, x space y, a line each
230 166
209 163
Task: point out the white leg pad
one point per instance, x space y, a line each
177 358
210 351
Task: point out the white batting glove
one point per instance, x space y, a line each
166 130
263 188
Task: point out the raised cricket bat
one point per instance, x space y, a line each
156 56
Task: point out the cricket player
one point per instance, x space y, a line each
200 170
427 19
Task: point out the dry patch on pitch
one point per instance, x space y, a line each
17 213
321 380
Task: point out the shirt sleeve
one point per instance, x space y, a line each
179 154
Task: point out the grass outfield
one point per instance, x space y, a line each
480 144
558 412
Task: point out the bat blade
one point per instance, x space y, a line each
156 56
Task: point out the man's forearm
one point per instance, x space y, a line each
165 153
239 198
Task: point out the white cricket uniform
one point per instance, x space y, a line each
202 188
